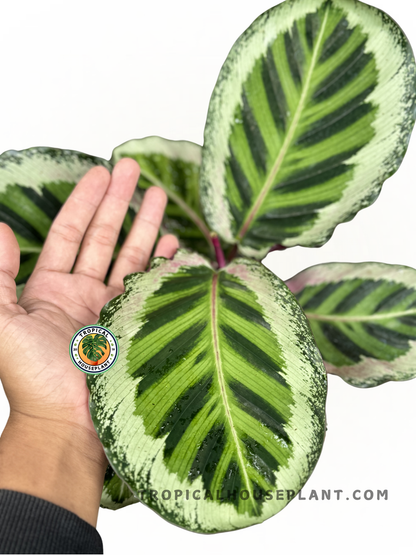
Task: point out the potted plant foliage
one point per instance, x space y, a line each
214 415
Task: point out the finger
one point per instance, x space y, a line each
9 265
134 254
66 233
102 234
167 246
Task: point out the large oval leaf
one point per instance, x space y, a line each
363 318
311 113
219 391
34 183
173 166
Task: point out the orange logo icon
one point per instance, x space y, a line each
94 349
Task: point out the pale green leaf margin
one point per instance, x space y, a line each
112 400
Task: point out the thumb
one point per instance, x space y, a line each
9 265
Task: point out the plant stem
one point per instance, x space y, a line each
218 250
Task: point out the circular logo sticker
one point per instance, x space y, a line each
94 349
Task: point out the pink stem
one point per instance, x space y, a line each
218 251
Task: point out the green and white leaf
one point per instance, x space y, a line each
173 166
219 386
363 318
312 112
34 183
116 494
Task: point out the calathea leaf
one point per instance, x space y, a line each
311 113
363 318
34 184
173 166
115 494
217 399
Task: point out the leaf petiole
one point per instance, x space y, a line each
219 254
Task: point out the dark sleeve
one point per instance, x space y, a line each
29 524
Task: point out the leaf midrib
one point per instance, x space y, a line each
198 221
364 318
221 381
288 140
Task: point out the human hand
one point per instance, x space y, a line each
48 396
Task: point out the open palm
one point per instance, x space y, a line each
38 377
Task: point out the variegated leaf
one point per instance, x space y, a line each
173 166
218 395
311 113
34 184
116 494
363 318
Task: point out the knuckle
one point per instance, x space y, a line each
134 255
89 272
149 223
67 231
104 234
6 272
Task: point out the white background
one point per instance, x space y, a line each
90 75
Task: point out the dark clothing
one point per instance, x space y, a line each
29 524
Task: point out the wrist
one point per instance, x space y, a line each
59 461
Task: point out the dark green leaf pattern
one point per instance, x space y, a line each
34 184
234 418
301 133
173 166
363 318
